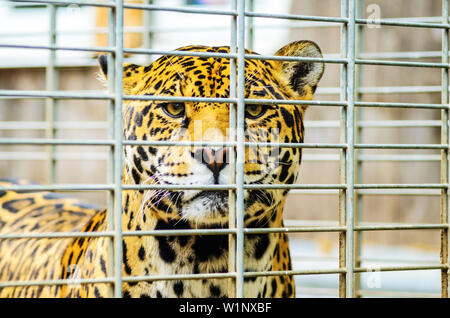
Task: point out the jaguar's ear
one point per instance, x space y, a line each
132 74
302 76
103 62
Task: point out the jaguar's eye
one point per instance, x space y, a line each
254 111
175 110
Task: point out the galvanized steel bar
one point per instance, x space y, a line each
118 134
350 130
387 22
148 30
343 165
97 142
106 187
287 229
240 148
57 48
250 26
444 152
358 139
232 257
180 9
110 216
216 275
77 2
87 125
51 79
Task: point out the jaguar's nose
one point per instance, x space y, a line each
214 159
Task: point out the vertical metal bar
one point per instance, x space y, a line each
240 150
444 152
51 79
118 149
343 164
110 171
232 157
358 139
350 150
250 26
148 36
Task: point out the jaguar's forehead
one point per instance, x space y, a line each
204 76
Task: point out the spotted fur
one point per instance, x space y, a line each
87 257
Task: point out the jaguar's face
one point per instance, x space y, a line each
184 76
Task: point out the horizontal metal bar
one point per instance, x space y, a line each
296 17
295 229
391 22
110 187
179 187
57 48
214 275
68 156
59 125
111 279
397 123
100 95
295 186
52 235
59 187
373 123
396 192
363 226
24 283
107 187
84 95
372 192
99 187
167 277
233 100
179 277
225 55
247 231
402 186
401 63
48 235
398 157
416 89
96 142
400 105
368 90
396 227
180 53
401 55
295 272
55 94
399 268
179 9
400 146
234 56
77 2
66 142
231 186
372 158
231 144
38 125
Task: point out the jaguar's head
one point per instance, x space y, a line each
189 76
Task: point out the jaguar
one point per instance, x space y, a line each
81 266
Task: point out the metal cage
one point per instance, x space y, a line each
350 188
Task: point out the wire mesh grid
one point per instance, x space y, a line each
350 188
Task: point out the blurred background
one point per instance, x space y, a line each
80 26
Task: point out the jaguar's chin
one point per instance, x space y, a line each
206 206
